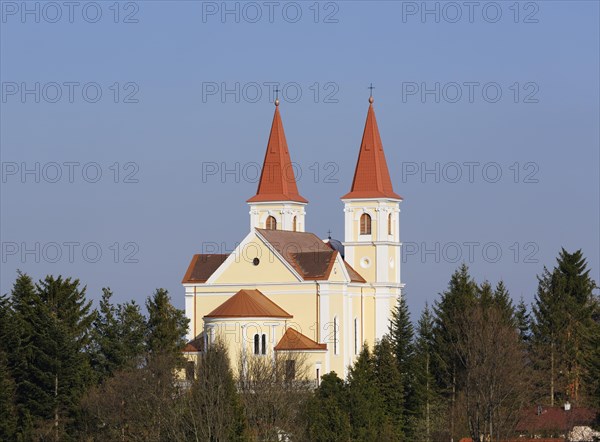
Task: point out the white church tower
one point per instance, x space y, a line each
372 224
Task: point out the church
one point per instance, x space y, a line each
284 291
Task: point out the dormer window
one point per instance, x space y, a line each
271 223
365 224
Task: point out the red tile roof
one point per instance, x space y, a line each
306 253
202 266
554 419
195 345
248 304
294 340
371 177
277 179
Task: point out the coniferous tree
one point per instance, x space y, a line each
460 295
107 348
8 411
523 321
503 302
326 414
592 357
562 327
20 350
426 399
132 329
49 363
389 383
167 326
401 335
367 411
118 336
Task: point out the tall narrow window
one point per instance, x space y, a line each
294 224
263 349
365 224
271 223
390 224
256 344
355 336
335 335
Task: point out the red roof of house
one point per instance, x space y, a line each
371 177
248 304
554 419
293 340
277 179
202 266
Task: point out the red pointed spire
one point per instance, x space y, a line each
371 177
277 179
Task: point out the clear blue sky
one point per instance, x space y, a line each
543 55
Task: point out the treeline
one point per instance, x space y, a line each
469 365
473 363
56 352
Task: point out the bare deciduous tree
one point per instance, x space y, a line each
273 390
495 379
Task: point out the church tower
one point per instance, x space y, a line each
277 204
372 224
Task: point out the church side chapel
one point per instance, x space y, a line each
284 292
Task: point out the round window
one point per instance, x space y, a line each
256 261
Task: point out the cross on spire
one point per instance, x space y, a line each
277 95
371 87
329 233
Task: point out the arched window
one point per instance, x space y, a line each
365 224
256 344
271 223
390 224
294 224
260 344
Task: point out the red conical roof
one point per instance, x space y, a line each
371 178
277 179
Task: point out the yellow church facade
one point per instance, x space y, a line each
284 291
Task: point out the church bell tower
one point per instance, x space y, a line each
372 224
277 204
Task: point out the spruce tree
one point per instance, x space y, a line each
390 386
132 332
367 412
326 413
562 327
20 349
118 336
503 302
107 348
523 321
166 327
8 411
460 296
426 398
